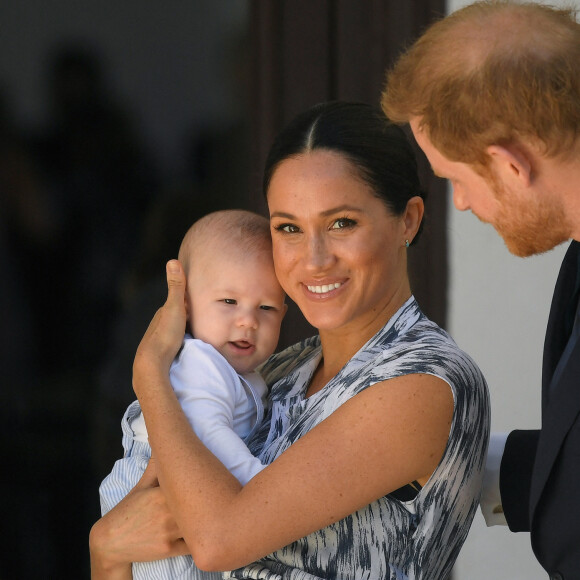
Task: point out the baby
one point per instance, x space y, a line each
235 306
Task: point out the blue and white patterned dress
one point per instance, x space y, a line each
388 539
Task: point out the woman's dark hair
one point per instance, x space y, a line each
378 149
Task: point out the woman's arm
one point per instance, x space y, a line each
388 435
139 528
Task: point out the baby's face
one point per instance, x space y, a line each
236 304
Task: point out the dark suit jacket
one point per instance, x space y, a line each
540 470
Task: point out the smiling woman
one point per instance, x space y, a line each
334 240
377 427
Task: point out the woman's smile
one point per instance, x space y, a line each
324 289
338 250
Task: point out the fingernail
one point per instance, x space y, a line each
173 266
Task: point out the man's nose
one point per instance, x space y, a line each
460 200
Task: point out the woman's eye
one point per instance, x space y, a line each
342 223
287 228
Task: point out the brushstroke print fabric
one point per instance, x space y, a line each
388 539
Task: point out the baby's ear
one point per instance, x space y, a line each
187 315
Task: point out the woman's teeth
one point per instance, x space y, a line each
324 288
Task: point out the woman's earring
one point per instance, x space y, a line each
406 243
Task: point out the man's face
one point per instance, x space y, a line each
528 223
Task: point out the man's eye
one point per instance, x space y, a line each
229 301
342 223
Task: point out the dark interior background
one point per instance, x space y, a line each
120 124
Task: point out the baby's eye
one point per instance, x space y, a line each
266 307
342 223
229 301
287 228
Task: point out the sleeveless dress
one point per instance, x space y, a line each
389 539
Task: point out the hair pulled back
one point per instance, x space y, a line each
378 149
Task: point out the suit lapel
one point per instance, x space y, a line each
557 419
560 397
557 332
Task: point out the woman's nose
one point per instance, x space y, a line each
318 254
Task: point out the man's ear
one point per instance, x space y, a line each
511 162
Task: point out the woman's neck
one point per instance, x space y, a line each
340 345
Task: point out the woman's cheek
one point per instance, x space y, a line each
283 265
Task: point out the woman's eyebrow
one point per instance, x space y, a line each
281 214
325 213
339 209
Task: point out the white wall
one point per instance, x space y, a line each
498 309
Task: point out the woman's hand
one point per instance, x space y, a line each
164 336
139 529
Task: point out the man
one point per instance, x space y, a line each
492 95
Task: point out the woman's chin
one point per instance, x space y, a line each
324 321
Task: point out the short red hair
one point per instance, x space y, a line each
494 72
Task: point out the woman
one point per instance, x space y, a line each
378 428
